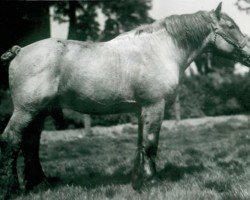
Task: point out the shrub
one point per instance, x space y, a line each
6 108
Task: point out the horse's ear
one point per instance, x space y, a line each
218 11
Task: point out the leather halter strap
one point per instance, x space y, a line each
238 45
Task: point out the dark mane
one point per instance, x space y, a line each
188 30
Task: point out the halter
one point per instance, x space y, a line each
239 52
239 45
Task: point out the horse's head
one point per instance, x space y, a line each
227 39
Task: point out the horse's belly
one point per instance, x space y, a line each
90 105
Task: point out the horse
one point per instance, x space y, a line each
138 71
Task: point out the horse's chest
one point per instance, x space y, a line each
158 86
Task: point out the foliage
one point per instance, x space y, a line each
120 16
214 95
208 62
21 22
123 16
82 20
243 5
5 108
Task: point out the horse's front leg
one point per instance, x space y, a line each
150 120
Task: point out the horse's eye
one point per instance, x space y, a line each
231 26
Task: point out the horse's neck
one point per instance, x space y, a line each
190 34
163 46
167 47
193 54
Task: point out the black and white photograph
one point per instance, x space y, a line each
125 100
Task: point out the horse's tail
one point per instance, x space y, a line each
10 54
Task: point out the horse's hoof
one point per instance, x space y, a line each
151 181
138 171
154 180
4 196
8 189
44 184
137 186
137 182
9 194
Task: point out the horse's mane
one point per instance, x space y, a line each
188 30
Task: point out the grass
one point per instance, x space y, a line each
198 159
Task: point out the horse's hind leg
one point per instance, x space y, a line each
10 142
57 115
33 173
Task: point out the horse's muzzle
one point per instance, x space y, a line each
245 54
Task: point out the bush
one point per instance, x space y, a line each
214 95
6 109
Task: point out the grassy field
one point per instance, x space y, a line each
204 158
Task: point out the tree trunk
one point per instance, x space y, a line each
72 21
177 108
87 124
209 61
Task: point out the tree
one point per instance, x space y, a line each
243 5
81 16
211 63
120 16
21 23
124 15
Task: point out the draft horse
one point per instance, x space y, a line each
137 71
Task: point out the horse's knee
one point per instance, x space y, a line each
12 135
10 144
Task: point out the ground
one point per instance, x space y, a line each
204 158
